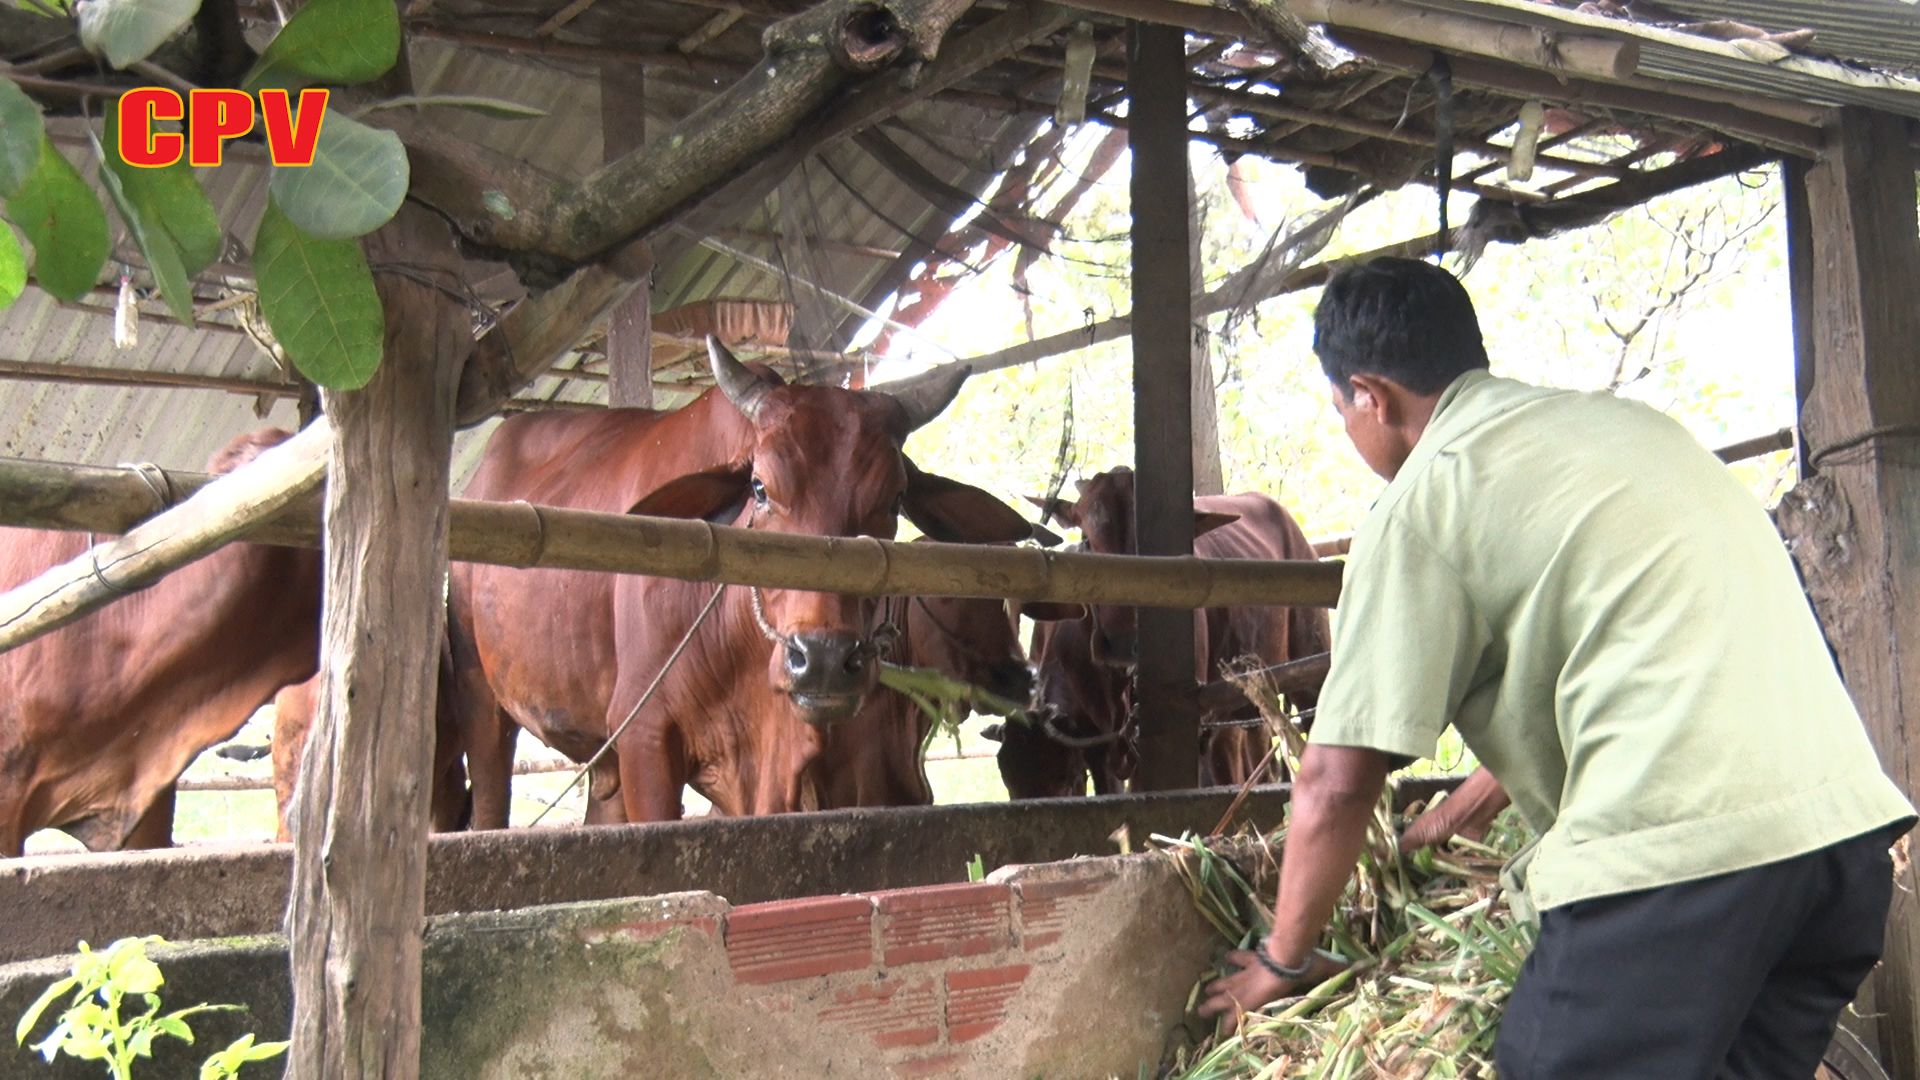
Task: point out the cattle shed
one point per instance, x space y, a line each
791 177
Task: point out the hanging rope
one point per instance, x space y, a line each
1440 75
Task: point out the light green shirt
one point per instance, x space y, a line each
1617 631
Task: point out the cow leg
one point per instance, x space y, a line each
155 827
490 735
608 811
293 710
652 773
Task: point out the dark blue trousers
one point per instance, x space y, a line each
1740 976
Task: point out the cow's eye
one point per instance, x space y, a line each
759 492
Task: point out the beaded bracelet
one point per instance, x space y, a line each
1281 971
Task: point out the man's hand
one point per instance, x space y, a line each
1468 812
1254 986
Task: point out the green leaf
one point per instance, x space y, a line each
169 216
319 300
267 1050
65 224
128 31
355 185
331 41
21 130
174 1026
46 998
485 106
13 267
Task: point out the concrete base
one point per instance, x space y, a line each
1071 970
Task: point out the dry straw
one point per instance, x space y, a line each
1433 952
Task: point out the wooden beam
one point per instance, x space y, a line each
1673 101
623 129
1162 396
658 59
1852 523
96 375
356 910
223 510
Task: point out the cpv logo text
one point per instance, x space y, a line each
292 131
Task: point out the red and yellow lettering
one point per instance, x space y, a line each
292 135
139 143
218 115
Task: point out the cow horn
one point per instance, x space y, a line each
742 387
925 396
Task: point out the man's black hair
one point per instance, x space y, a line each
1401 319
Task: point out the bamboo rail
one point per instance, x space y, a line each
50 496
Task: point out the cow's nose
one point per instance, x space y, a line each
1013 681
826 663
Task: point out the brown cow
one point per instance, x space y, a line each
743 713
1078 720
294 708
877 757
1246 526
100 717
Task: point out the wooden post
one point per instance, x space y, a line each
1162 396
623 127
1793 182
356 908
1859 546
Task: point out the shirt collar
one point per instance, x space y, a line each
1440 430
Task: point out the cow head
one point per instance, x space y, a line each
1076 710
1104 515
976 640
829 462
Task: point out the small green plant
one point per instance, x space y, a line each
92 1029
976 869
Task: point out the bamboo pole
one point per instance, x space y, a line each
225 509
45 495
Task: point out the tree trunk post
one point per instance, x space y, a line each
623 127
1162 394
1208 477
1857 272
355 913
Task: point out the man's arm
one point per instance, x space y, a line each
1333 801
1468 812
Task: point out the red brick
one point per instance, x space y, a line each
892 1012
797 939
977 1000
1047 908
939 922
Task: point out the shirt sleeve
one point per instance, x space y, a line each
1407 643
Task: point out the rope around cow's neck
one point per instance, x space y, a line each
645 696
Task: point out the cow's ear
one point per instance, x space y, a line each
1046 537
958 513
1052 611
1205 521
1059 510
717 495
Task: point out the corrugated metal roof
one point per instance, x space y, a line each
1690 58
1885 33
